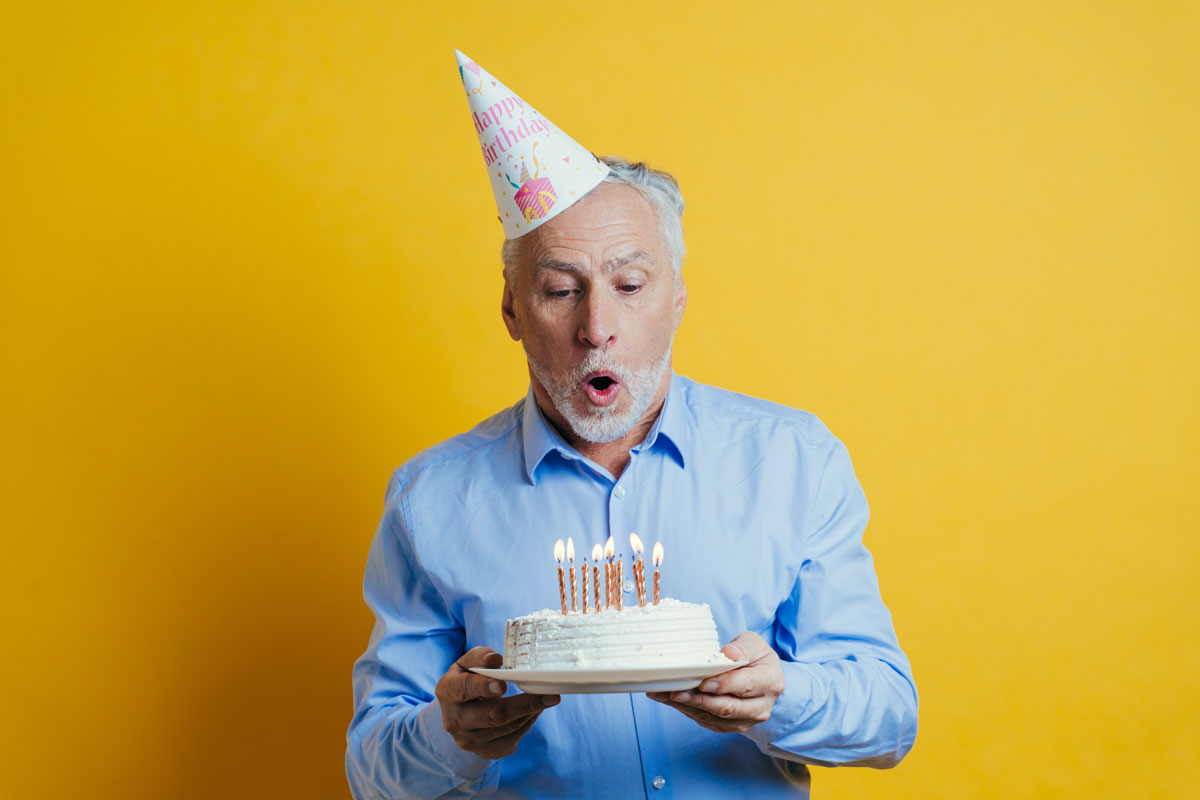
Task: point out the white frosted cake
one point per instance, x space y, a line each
672 633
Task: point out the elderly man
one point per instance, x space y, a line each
756 503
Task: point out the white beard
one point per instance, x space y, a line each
606 423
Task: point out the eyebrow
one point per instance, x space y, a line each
608 266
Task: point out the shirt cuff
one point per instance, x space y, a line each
791 709
462 763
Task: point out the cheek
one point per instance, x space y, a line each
546 336
659 330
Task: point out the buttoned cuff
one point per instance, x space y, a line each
458 761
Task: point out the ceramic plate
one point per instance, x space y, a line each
596 681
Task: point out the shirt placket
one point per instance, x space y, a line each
621 519
623 500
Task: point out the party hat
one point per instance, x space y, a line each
536 170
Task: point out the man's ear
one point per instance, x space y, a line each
508 312
680 300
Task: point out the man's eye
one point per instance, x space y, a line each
628 288
563 293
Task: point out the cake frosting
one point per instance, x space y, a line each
672 633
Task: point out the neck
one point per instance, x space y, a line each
614 455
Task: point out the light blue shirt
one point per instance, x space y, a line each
760 516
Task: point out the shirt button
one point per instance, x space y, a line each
619 492
658 782
628 586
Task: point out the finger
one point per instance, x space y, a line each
519 726
667 699
480 657
460 685
722 706
749 646
497 713
463 687
743 682
505 745
698 715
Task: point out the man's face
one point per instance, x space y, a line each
596 305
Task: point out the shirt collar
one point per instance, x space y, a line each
669 432
538 437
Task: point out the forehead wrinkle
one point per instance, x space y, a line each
628 258
544 264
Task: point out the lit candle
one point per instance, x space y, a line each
597 554
658 553
608 573
583 570
562 589
571 559
639 568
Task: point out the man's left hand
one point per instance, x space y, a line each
733 701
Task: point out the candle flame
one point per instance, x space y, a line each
636 543
597 554
558 551
658 553
608 549
570 550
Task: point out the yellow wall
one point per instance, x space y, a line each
249 266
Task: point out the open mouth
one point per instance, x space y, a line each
601 389
601 383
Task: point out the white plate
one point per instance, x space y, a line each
596 681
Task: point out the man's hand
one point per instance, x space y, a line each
734 701
475 712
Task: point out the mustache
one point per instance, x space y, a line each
597 361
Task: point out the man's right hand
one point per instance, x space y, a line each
475 711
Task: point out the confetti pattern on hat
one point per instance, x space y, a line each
535 169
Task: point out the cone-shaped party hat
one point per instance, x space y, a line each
536 170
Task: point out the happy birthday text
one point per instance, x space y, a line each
512 110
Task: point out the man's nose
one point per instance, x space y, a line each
598 324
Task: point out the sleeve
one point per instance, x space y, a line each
850 698
396 746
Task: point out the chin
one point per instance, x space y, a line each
600 426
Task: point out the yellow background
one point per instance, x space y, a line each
250 266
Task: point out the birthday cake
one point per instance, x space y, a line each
671 633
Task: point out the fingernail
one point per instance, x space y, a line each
682 697
709 686
550 699
494 687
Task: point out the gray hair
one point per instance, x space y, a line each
659 188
